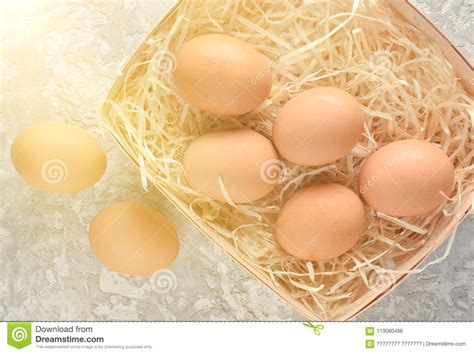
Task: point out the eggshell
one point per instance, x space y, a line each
406 178
321 222
134 239
318 126
58 157
222 74
246 162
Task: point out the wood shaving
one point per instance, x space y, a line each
408 89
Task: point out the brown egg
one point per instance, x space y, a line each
318 126
406 178
321 222
134 239
246 162
222 74
58 157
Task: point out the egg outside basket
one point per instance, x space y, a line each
405 264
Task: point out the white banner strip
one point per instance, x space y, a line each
236 337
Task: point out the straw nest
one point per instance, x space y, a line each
408 89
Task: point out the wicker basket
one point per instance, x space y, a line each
440 233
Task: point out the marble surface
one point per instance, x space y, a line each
58 61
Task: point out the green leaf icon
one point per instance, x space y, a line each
19 334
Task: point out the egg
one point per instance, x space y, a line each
58 157
133 239
318 126
222 74
239 161
406 178
321 222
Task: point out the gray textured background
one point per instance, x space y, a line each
58 61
